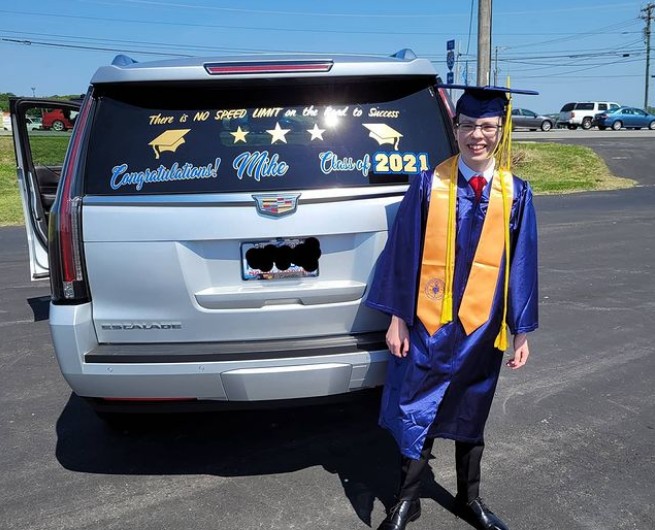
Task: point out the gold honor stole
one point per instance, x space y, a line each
435 296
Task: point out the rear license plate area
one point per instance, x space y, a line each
280 258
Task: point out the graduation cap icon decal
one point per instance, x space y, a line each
168 141
383 134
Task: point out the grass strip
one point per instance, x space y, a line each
559 168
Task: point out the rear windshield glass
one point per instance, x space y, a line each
567 107
257 137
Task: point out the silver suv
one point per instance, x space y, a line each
583 113
216 222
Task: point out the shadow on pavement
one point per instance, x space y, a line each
343 438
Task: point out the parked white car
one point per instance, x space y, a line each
582 113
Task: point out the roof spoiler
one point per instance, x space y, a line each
122 60
405 54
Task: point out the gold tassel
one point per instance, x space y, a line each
504 151
447 304
501 339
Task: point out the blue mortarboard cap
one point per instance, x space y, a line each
485 101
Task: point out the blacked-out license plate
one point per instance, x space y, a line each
280 258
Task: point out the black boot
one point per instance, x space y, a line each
402 513
479 512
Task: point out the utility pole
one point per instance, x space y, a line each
648 17
496 66
484 41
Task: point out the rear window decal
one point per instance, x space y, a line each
168 141
331 162
239 135
122 177
330 139
278 133
317 134
232 114
400 163
383 113
383 134
258 164
158 119
271 112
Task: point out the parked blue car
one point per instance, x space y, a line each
628 117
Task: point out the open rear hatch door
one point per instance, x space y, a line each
39 158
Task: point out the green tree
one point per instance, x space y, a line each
4 100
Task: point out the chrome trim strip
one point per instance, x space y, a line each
244 199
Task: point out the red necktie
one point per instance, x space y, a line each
478 182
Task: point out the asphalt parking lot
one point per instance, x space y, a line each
570 440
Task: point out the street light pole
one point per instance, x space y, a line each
484 41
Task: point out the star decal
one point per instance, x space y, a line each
239 136
317 134
278 134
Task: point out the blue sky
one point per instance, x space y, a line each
567 50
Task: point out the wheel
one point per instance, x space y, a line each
651 125
572 127
586 124
546 125
601 127
58 125
617 125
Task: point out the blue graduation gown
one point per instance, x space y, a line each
445 385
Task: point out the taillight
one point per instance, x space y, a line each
67 275
265 67
572 114
447 102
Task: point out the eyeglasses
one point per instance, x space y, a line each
487 129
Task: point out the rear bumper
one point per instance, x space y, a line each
236 371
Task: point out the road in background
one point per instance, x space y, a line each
570 440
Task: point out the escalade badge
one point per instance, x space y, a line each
276 205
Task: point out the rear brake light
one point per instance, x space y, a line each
447 102
68 237
572 114
280 67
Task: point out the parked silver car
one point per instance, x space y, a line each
527 119
217 222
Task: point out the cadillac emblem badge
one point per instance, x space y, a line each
276 205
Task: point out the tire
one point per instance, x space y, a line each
616 126
572 127
587 124
601 127
58 126
546 125
651 125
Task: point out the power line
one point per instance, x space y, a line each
592 33
275 29
367 16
